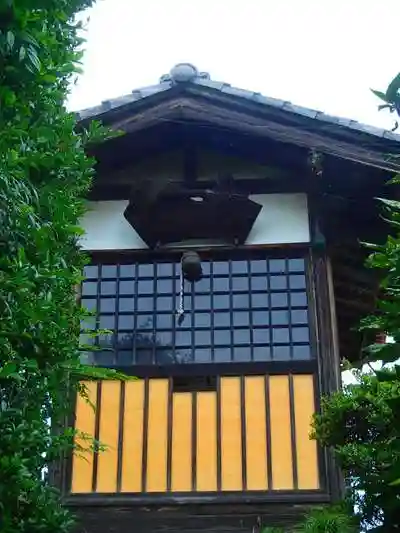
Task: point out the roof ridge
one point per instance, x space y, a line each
186 73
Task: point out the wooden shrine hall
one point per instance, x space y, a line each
224 232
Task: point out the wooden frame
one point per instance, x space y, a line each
325 347
328 355
194 103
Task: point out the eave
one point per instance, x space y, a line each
207 107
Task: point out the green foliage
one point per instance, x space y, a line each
336 519
361 423
44 174
391 97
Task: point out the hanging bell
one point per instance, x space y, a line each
191 266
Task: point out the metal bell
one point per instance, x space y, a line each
191 266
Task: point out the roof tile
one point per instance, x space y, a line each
267 100
235 91
372 130
305 111
202 79
355 125
219 85
392 135
327 118
344 121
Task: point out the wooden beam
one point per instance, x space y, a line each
260 127
188 109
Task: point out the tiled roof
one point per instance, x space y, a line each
188 74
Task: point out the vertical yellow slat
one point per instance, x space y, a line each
181 478
256 441
231 445
306 449
82 462
206 446
108 436
157 436
281 448
132 449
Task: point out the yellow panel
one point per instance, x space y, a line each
131 476
206 471
157 436
256 440
108 436
231 445
306 449
281 448
82 462
182 442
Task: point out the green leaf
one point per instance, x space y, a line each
393 204
387 353
34 59
49 78
10 38
384 106
372 246
393 89
385 376
394 404
32 364
8 370
380 95
395 483
28 38
393 223
9 97
22 53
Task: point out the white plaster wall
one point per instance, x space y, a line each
107 229
282 220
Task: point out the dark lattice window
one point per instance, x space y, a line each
242 310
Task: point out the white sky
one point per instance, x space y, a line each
323 54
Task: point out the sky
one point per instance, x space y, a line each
322 54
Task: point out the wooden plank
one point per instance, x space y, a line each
231 445
306 449
133 437
157 436
108 436
82 462
256 435
265 127
181 475
260 122
206 442
281 449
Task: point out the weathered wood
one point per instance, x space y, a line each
183 108
213 107
192 519
328 353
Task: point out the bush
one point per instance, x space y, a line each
44 174
361 423
336 519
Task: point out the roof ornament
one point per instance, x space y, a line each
184 73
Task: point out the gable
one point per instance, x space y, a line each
186 95
315 177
